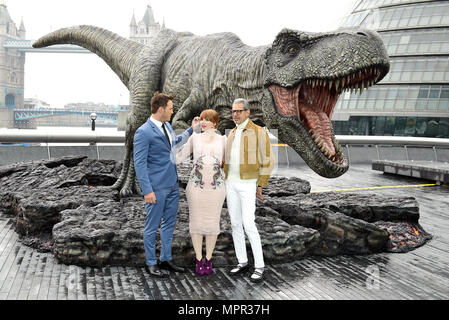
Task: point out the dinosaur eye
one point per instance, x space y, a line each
291 48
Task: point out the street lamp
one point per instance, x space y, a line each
93 117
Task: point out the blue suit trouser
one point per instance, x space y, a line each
164 213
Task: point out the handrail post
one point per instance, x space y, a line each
349 157
48 151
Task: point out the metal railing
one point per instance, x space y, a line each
48 136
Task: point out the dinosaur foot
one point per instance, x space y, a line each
126 192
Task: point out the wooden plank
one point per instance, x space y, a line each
293 281
307 271
108 285
4 228
37 279
54 281
356 276
47 262
395 273
137 286
23 264
29 276
124 281
361 265
10 247
91 288
64 278
239 292
116 284
422 280
72 282
100 293
327 286
81 288
182 293
9 273
200 284
192 294
216 286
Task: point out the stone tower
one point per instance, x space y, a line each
12 62
146 29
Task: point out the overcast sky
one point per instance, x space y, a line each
59 79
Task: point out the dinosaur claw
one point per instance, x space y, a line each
125 192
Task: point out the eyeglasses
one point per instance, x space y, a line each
238 111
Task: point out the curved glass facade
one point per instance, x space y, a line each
421 15
399 99
416 42
413 98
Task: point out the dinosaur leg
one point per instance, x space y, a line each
137 186
130 181
191 108
118 184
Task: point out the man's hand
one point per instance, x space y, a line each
259 193
150 198
195 123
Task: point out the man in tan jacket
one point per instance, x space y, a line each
248 165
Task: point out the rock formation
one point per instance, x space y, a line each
67 206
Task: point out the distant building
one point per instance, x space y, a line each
33 103
146 29
90 106
12 62
413 99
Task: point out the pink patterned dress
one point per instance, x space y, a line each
206 189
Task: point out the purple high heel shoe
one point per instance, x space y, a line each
199 267
208 266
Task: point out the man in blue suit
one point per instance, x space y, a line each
155 166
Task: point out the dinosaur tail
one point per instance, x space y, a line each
118 52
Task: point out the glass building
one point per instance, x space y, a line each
413 98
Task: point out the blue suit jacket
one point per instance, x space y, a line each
154 158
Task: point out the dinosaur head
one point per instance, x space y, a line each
305 74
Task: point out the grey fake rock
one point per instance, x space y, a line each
110 233
346 221
66 206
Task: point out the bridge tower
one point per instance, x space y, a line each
146 29
12 62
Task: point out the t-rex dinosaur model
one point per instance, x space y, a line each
292 84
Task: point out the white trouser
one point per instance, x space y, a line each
241 200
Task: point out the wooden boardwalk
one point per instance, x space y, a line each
422 274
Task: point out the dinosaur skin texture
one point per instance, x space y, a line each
292 85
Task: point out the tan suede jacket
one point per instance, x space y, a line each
256 154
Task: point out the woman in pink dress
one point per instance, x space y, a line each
205 190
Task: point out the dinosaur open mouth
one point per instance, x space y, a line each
312 103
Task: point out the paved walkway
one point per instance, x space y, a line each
420 274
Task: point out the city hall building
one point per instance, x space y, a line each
413 99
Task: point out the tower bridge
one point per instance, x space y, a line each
26 118
13 49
